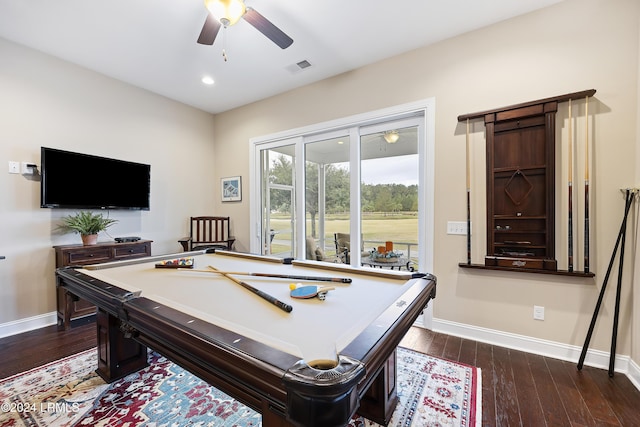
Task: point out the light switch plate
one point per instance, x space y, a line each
456 227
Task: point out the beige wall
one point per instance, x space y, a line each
48 102
573 46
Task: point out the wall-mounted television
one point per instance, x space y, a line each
83 181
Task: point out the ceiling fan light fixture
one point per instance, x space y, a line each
391 136
228 12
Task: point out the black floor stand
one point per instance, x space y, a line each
621 239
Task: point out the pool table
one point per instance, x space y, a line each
315 365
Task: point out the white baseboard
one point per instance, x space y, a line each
28 324
634 374
556 350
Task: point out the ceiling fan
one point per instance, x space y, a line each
228 12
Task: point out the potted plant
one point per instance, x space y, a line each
87 224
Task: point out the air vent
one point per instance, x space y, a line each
298 66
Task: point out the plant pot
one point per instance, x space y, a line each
89 239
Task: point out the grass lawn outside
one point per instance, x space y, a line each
377 228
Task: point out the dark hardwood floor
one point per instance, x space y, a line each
518 389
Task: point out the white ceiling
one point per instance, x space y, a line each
152 43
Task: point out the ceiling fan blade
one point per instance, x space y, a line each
267 28
209 30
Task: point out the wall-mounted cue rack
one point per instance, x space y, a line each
521 179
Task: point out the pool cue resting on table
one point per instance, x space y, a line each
282 276
264 295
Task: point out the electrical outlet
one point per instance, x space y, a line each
457 227
14 167
538 312
25 169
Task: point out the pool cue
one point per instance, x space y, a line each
586 185
261 294
616 313
468 199
570 155
282 276
592 325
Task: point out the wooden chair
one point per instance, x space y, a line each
208 232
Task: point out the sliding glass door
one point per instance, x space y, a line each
389 194
327 192
277 201
370 177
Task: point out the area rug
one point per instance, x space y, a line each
68 393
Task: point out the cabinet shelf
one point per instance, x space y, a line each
522 246
519 231
522 270
518 217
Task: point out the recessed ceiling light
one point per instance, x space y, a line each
207 80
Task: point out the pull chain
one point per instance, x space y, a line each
224 43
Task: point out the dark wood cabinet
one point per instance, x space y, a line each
520 187
521 182
70 306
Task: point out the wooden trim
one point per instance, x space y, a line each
559 98
574 273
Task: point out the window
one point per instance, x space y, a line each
369 176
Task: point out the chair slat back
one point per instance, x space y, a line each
209 229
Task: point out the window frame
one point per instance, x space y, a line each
356 126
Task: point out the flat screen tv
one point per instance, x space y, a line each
82 181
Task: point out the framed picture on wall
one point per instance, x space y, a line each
231 189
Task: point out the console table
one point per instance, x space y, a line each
70 306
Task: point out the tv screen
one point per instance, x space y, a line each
82 181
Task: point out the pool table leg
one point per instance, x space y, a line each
381 398
270 418
118 354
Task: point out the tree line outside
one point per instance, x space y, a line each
375 197
380 203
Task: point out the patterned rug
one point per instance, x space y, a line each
68 393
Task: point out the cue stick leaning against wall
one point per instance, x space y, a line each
629 198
